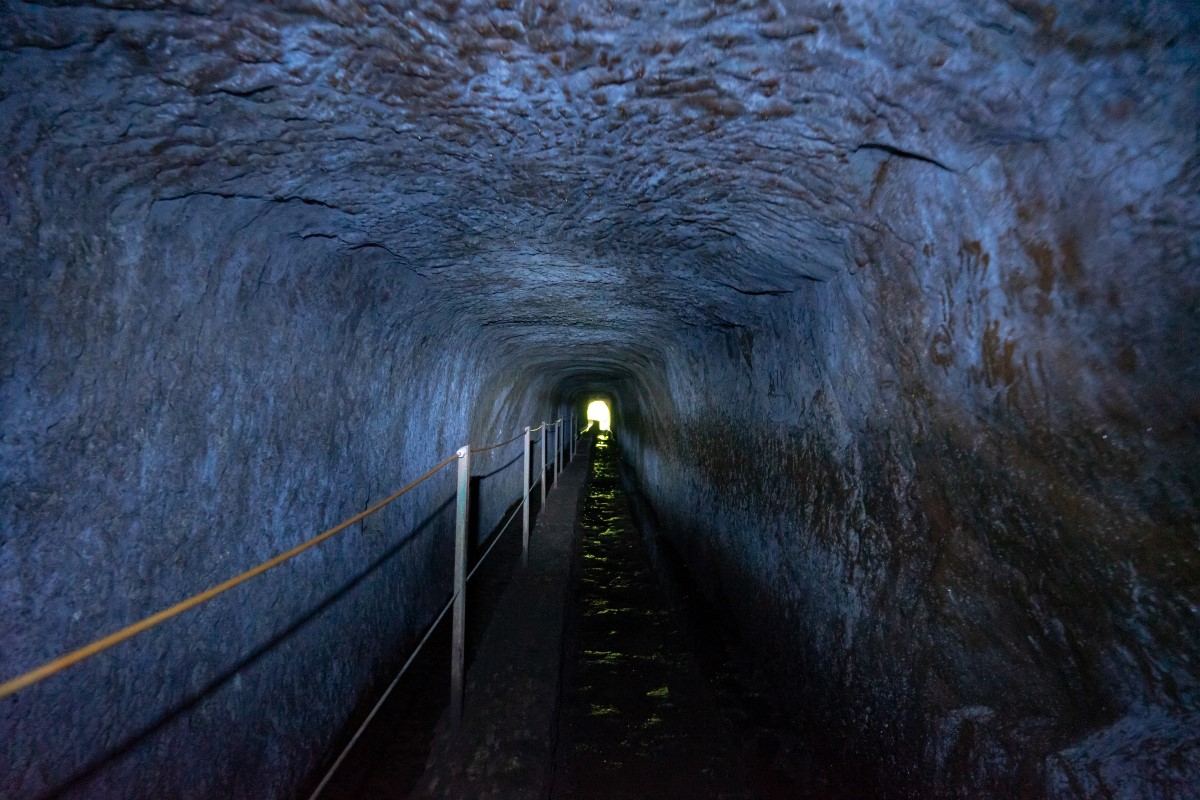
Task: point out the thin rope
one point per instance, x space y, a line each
100 645
379 704
485 448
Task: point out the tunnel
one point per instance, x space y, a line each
896 307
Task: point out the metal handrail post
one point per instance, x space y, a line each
525 504
458 646
545 433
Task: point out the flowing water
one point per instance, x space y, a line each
639 719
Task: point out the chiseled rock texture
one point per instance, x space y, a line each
896 303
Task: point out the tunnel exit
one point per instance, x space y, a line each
598 411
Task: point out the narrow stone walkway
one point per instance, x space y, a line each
504 747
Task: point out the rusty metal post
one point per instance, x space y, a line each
458 647
558 449
545 433
525 502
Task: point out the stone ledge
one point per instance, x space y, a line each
504 747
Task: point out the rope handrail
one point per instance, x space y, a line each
488 447
61 663
98 646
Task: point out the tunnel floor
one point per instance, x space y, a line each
656 698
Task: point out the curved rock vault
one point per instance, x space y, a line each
897 304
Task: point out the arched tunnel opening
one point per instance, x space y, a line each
894 307
600 413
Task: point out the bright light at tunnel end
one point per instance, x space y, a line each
598 410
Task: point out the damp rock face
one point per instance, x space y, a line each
894 302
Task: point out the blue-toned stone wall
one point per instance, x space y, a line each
895 303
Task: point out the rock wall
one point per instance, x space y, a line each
895 301
955 488
186 395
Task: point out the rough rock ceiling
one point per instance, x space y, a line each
579 176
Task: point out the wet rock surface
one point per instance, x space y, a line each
894 303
